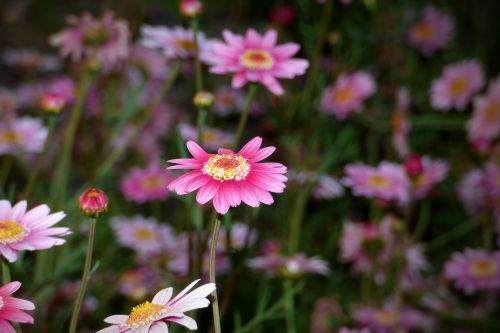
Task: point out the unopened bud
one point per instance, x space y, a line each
414 166
93 203
191 8
52 102
204 99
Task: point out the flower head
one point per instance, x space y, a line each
292 266
228 178
257 58
240 236
142 185
433 172
228 100
472 191
432 32
11 308
22 135
93 202
191 8
485 121
139 282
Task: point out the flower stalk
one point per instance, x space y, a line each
213 252
244 114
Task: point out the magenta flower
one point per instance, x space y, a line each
434 171
28 230
474 270
347 95
257 58
11 308
143 185
485 121
152 317
228 178
456 86
289 266
22 135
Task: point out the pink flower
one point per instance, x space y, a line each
292 266
212 138
347 94
11 308
93 202
240 236
456 86
28 230
432 32
228 100
25 135
327 187
105 39
149 62
474 270
401 125
387 182
152 317
139 282
325 309
434 171
472 191
228 178
485 120
256 58
143 185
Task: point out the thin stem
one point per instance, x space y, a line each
200 123
213 251
197 62
5 272
289 307
423 220
244 115
85 278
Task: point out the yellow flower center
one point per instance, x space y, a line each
491 113
226 100
9 137
342 95
227 167
209 136
483 268
257 59
458 86
11 232
386 317
96 35
378 181
144 234
152 182
185 44
423 31
144 314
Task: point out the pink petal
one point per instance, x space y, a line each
221 205
10 288
16 315
189 322
163 296
239 80
262 154
116 319
197 151
18 303
158 327
5 327
269 39
251 147
207 192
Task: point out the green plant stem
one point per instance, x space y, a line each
289 306
197 62
5 170
200 123
5 272
213 251
85 278
457 232
296 219
423 220
244 115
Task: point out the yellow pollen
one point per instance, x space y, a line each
144 314
378 181
144 234
227 167
257 59
153 182
483 268
9 137
458 86
11 232
491 112
185 44
423 31
342 95
386 317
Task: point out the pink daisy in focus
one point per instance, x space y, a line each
474 270
103 39
11 308
143 185
347 94
28 230
228 178
434 171
277 265
401 125
25 135
387 181
485 121
152 317
432 32
456 86
257 58
212 138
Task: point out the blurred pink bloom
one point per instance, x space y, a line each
30 59
228 100
102 39
148 184
472 191
327 187
8 104
347 94
228 178
474 270
25 135
28 230
139 282
212 138
152 317
283 14
432 32
350 330
457 85
257 58
401 125
485 120
387 181
29 95
150 62
325 309
190 8
240 235
434 171
289 266
11 308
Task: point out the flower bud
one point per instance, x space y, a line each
204 99
191 8
52 102
414 166
93 203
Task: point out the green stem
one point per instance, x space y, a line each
296 218
85 278
213 251
200 123
197 62
289 307
457 232
423 220
5 170
244 114
5 272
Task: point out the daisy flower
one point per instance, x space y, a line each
432 32
347 94
401 125
152 317
433 172
26 135
485 120
228 100
474 270
212 138
11 308
228 178
327 187
239 236
456 86
388 181
139 282
289 266
143 185
257 58
28 230
472 191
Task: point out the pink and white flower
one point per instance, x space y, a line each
22 135
148 184
257 58
434 171
485 121
11 308
289 266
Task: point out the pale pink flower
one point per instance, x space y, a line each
472 191
434 171
228 178
152 317
240 236
8 104
11 308
29 95
22 135
401 125
179 263
387 181
474 270
257 58
212 138
148 184
327 187
457 85
289 266
139 282
228 100
485 120
102 39
149 62
347 95
351 330
30 59
432 32
28 230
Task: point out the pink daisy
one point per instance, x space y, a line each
432 32
472 191
28 230
347 94
152 317
485 120
434 171
25 135
401 125
388 181
11 308
139 282
142 185
289 266
228 100
257 58
456 86
228 178
212 138
474 270
103 39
